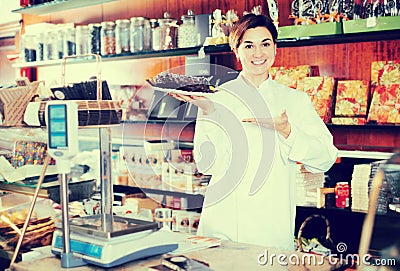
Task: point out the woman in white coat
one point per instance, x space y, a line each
249 137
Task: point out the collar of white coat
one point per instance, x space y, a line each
247 81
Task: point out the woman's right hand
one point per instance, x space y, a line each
206 105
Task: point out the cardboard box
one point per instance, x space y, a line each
371 24
312 30
352 98
13 102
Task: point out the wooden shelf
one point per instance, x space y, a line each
58 5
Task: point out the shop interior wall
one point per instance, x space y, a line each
342 61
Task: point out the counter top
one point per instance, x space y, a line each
229 256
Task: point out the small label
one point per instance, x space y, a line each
371 21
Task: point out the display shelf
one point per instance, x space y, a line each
78 189
224 48
365 154
58 5
194 201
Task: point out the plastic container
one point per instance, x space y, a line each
122 35
108 43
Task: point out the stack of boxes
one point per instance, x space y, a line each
307 185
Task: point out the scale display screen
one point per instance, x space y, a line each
57 126
81 247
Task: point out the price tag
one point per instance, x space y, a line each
371 21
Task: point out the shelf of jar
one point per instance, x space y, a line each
224 48
58 5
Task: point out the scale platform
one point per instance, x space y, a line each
130 240
109 226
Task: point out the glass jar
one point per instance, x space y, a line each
60 43
165 35
29 48
138 34
108 38
187 32
70 42
95 38
82 40
50 46
122 34
153 25
40 39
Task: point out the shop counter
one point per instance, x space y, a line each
229 256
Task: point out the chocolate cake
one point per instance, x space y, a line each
182 82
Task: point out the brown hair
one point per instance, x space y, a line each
249 21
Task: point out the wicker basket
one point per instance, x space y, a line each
13 102
327 242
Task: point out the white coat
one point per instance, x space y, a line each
251 197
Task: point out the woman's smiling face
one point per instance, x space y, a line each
256 53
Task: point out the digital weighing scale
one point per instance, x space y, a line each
104 240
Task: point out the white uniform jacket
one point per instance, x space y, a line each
251 197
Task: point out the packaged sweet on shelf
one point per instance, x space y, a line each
349 120
352 98
173 81
29 153
289 76
385 72
385 104
144 166
320 90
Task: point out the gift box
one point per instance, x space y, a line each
348 121
352 98
320 89
385 104
385 72
289 76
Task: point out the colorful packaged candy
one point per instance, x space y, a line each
385 104
29 153
352 98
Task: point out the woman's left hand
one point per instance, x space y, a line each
280 124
